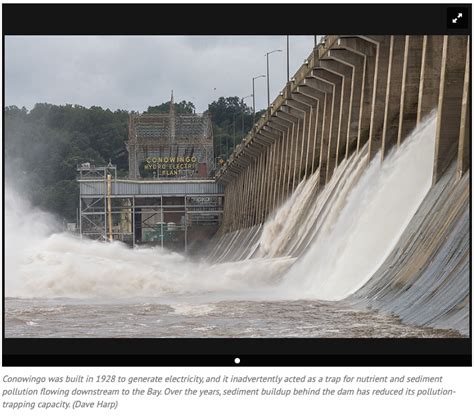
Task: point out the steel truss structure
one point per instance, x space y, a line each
170 135
176 214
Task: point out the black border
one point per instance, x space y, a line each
228 19
245 19
223 351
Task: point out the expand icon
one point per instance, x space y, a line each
457 17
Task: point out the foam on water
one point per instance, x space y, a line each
63 266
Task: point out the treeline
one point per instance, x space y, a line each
43 146
231 119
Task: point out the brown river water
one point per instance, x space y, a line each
58 318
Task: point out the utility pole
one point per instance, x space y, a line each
268 76
243 111
253 95
233 124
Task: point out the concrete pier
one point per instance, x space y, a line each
450 104
351 91
393 93
410 86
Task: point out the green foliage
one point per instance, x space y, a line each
44 146
232 119
60 198
182 107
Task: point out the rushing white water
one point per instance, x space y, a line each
300 219
26 229
277 230
349 226
63 266
365 221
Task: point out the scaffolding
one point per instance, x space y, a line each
93 217
164 145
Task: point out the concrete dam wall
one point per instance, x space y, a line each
359 174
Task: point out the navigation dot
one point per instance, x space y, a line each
236 360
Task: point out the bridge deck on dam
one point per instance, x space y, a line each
350 92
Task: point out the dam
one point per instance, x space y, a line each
353 101
344 212
351 91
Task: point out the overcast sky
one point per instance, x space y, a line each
133 72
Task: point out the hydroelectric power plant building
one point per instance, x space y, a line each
170 197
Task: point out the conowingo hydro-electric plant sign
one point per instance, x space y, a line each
171 165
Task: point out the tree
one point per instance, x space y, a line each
44 146
231 119
182 107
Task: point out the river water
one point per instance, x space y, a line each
58 318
